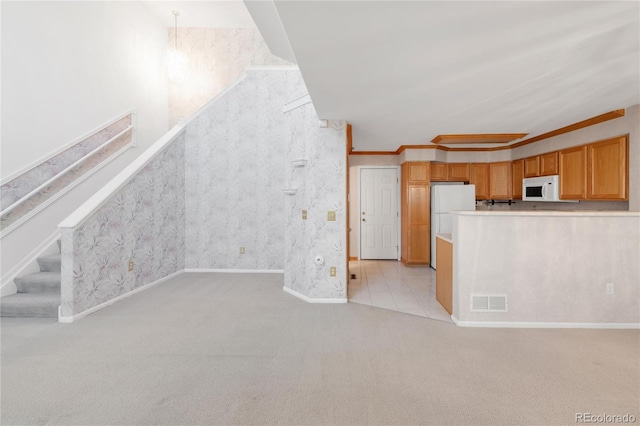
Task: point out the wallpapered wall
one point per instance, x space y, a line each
321 188
25 183
143 222
216 58
235 169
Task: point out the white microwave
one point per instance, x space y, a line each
543 188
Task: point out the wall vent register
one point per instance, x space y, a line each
488 303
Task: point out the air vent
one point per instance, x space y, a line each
488 303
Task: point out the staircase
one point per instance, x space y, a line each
38 294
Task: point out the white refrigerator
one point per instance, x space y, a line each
445 199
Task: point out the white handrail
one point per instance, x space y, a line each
62 172
98 199
58 151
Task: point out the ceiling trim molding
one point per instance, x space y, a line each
611 115
575 126
478 138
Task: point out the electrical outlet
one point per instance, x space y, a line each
331 216
130 265
610 288
242 250
332 271
304 215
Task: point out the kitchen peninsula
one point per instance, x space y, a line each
546 269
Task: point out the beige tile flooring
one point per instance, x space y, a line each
390 285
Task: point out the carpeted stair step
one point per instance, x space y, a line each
51 263
42 305
41 282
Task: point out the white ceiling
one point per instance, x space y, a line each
202 14
404 72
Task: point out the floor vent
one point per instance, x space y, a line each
488 303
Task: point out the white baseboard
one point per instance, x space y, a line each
311 299
114 300
505 324
8 286
238 271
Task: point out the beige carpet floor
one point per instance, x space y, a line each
236 349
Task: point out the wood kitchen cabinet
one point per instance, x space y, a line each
500 180
458 172
532 166
517 173
607 169
479 176
596 171
549 164
416 214
438 171
572 164
418 172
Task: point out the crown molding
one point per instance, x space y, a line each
611 115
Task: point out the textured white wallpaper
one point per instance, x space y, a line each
235 168
216 58
321 188
143 222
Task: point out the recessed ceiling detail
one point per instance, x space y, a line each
478 138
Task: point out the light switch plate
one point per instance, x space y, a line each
331 216
242 250
304 215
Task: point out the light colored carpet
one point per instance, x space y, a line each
236 349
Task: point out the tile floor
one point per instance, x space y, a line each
390 285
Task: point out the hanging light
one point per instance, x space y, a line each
176 60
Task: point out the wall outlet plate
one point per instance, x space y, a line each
331 216
242 250
332 271
304 215
130 265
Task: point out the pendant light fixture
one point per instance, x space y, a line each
176 60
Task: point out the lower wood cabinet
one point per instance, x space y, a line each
444 274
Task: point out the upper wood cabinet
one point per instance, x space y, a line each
418 172
517 173
573 173
596 171
607 169
458 172
532 166
479 176
500 180
549 164
438 171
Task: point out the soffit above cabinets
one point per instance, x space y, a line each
492 138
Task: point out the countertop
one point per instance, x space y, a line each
542 213
446 237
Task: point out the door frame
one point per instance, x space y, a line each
398 204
